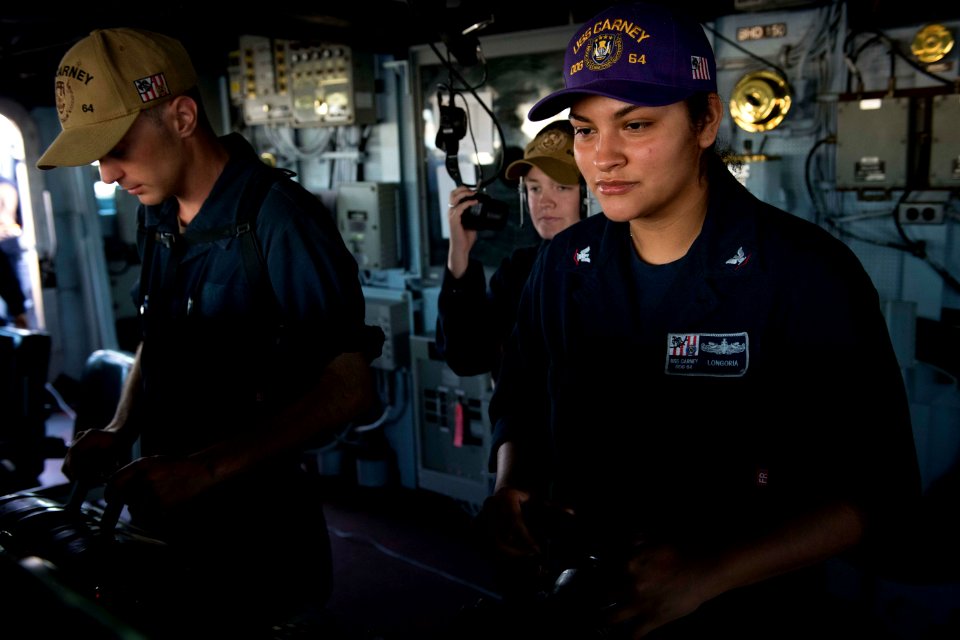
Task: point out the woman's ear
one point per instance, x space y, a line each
711 121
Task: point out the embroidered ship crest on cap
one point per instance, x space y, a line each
603 51
550 142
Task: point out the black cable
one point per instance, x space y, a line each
503 142
893 49
833 224
733 44
943 273
478 178
806 174
361 150
917 249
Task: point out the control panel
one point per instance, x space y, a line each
288 82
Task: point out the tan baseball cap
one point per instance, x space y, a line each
551 150
105 81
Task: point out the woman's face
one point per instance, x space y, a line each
553 206
639 162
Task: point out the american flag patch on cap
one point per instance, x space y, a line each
700 68
152 87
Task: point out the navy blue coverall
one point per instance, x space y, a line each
220 356
473 322
752 378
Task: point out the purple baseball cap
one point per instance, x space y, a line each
640 53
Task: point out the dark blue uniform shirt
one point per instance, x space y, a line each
473 322
221 356
212 343
759 381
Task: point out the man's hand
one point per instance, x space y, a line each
94 456
152 487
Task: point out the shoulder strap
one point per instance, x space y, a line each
147 236
243 228
252 200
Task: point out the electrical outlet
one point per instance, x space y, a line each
921 213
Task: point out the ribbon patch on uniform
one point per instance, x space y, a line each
707 354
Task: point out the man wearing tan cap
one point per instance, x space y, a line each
235 374
472 321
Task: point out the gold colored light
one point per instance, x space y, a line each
932 43
759 101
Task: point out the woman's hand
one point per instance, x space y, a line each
461 240
661 585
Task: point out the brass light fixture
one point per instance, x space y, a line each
932 43
759 101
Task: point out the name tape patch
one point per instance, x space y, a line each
707 354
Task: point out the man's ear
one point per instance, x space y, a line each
184 110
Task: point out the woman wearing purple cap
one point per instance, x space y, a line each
700 404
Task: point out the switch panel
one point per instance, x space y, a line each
453 430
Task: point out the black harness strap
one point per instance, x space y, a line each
244 229
254 194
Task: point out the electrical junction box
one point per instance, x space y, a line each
945 142
453 432
872 139
367 219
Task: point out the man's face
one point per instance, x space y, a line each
146 161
